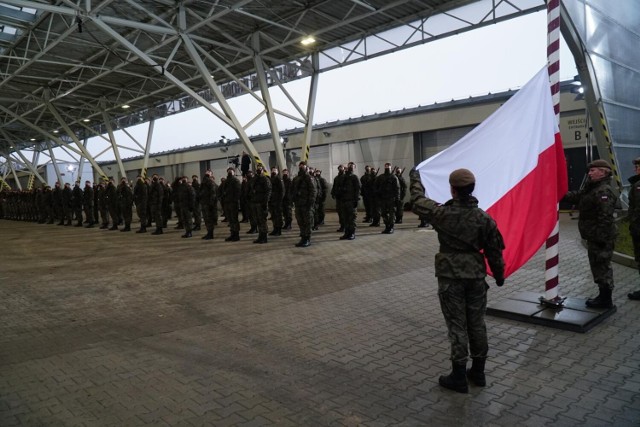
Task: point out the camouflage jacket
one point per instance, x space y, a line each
230 190
125 195
466 233
208 191
277 190
596 203
156 194
387 186
260 189
303 192
140 193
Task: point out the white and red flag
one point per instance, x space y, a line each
517 157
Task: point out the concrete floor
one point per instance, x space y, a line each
107 328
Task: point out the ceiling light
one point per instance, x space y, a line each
308 40
86 120
55 131
125 106
32 139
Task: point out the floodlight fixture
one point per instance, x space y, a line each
86 120
309 40
126 106
70 168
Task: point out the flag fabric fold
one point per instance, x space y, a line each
517 157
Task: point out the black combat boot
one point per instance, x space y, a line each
476 373
273 232
457 379
398 220
61 222
340 230
387 230
158 231
262 238
143 229
304 242
113 227
69 223
91 224
208 236
252 230
104 226
127 227
196 228
287 225
79 224
603 300
277 232
234 237
186 235
423 223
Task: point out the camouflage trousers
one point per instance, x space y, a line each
304 217
349 211
210 215
463 303
275 209
600 254
388 211
260 213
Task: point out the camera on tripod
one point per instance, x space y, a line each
235 160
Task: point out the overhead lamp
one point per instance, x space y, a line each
308 41
55 131
125 106
70 168
32 139
86 120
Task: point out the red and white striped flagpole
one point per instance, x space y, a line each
553 64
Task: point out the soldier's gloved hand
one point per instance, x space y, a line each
499 282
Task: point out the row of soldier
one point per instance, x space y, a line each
256 196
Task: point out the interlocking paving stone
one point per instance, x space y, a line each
105 329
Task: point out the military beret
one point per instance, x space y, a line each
600 163
461 178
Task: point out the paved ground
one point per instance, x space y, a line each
107 328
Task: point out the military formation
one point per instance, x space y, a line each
260 199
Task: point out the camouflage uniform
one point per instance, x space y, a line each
275 203
76 203
387 190
102 205
303 194
156 201
67 195
209 204
87 204
347 203
167 199
321 199
141 199
230 194
467 236
403 194
185 199
125 201
111 200
287 202
375 204
596 203
197 209
57 203
365 192
337 183
259 195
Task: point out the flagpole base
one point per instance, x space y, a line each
557 302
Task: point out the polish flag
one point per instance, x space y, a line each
517 157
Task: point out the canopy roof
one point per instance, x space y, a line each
64 64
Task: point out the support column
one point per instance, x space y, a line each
266 96
311 106
147 148
54 162
112 139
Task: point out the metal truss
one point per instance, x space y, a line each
70 71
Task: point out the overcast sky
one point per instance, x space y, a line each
490 59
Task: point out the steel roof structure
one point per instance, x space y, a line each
75 69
